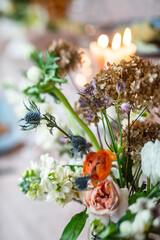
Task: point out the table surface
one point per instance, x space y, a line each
22 218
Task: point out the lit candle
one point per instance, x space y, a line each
98 49
117 52
83 75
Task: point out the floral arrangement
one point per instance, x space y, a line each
115 172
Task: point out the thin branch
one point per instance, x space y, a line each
138 116
128 153
99 137
133 184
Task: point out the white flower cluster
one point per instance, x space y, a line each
51 181
143 220
150 155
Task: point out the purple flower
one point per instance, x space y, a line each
108 100
97 103
89 91
90 115
120 87
94 85
125 107
83 102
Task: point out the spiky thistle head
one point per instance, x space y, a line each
82 182
33 117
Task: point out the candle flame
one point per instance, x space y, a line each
116 43
127 37
103 41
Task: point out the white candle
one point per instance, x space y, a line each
98 50
117 52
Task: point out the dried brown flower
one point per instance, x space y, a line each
71 56
142 85
140 133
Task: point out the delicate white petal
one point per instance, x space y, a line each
150 155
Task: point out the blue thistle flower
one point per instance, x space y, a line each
81 183
32 118
79 144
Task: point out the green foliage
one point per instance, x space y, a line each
75 226
72 167
47 63
123 161
97 226
30 181
110 229
129 216
135 196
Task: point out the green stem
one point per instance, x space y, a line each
120 171
148 184
65 102
119 122
137 180
104 127
110 132
114 145
136 168
154 191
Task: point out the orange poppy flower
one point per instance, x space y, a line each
98 164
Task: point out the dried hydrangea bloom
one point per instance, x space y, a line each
71 56
140 133
142 86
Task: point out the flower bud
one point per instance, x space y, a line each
125 107
126 228
120 87
34 74
81 183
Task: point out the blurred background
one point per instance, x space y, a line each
24 26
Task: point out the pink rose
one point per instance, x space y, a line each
106 201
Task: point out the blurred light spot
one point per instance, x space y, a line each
90 30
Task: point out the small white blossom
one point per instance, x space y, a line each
142 222
51 181
142 203
58 180
150 155
126 228
34 74
156 222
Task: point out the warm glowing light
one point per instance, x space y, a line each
103 41
116 43
127 37
80 79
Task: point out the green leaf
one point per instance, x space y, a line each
111 228
128 216
143 187
72 167
135 196
59 80
123 161
115 146
75 226
121 149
